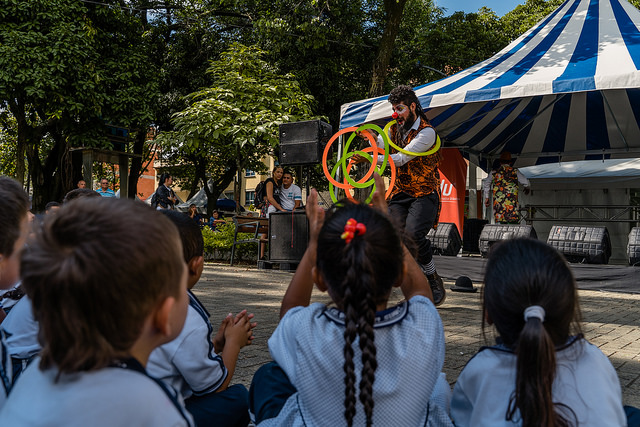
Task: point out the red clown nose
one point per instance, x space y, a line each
394 115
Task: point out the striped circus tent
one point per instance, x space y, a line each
568 89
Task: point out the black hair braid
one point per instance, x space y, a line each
359 275
349 302
367 338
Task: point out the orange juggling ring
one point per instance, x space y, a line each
365 181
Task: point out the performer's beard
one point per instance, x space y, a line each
406 125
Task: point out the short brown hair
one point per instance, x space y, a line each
13 209
76 193
94 274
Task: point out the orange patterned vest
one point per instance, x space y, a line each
419 176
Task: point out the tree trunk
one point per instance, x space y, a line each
213 188
393 9
136 162
18 112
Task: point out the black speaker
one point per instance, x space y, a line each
471 234
288 236
633 246
492 233
586 244
446 239
302 143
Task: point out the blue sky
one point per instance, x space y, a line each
500 7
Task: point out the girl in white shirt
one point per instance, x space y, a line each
359 362
542 372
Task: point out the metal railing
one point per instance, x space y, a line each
581 213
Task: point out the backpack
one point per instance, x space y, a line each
259 194
154 200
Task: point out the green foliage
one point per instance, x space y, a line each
525 16
8 144
66 69
233 124
428 40
329 46
221 240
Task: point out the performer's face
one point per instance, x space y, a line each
406 115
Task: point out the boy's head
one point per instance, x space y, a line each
51 207
97 273
77 193
192 244
14 228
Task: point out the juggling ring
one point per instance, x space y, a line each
349 183
362 183
392 181
432 150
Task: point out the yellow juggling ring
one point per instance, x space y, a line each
432 150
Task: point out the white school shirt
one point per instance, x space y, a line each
21 330
308 345
288 197
585 381
189 363
6 371
107 397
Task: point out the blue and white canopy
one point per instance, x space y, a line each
568 89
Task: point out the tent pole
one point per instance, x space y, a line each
501 146
615 120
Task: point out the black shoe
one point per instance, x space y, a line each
437 288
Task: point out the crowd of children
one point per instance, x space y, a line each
109 332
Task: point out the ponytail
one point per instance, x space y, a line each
535 372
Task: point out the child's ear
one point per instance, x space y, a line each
162 317
318 279
195 267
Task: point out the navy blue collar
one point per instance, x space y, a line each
384 318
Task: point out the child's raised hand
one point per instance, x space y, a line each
378 201
252 325
315 215
240 332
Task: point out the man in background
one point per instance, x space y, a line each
104 189
291 194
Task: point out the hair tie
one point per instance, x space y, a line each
534 311
352 229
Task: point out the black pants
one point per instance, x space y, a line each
416 217
269 391
228 408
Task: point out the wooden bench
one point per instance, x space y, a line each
249 224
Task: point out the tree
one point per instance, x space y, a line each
393 11
66 69
232 125
525 16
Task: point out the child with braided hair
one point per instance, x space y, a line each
391 357
542 372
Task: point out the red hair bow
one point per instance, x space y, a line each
352 229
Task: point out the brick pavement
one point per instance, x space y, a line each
610 321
